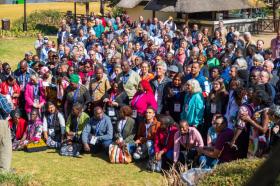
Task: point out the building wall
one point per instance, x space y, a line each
134 13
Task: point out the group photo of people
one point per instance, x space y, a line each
146 91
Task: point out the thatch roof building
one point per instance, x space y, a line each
193 6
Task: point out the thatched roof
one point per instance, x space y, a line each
129 3
192 6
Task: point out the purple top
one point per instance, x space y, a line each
228 153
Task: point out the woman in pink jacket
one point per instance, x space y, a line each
186 139
34 95
143 99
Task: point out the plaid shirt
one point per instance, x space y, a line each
5 107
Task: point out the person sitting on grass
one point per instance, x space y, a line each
75 123
98 132
221 152
53 126
17 126
33 132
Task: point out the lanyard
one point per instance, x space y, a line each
97 86
166 140
147 129
113 97
137 99
97 128
23 79
10 90
36 90
50 120
75 97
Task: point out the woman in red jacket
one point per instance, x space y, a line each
11 90
164 138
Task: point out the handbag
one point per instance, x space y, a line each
119 155
70 149
36 146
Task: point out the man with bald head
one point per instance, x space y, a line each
269 66
45 50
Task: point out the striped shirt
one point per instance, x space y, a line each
5 107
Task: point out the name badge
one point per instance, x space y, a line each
177 107
134 113
51 132
213 108
36 101
93 140
111 111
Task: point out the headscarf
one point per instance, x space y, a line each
74 78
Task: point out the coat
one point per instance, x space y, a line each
141 134
141 101
129 131
29 96
164 140
4 89
193 109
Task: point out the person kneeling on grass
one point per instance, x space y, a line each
145 135
98 132
33 131
53 126
221 152
75 123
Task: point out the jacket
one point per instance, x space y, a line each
141 101
19 129
4 89
29 96
158 90
164 140
141 134
131 85
82 121
193 109
194 140
129 131
102 129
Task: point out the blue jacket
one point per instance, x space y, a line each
193 109
102 129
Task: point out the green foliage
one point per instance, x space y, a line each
117 11
45 21
14 179
234 173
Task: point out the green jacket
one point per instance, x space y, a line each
82 121
128 132
193 109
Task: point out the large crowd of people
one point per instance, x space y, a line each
161 93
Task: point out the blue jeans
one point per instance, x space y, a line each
207 162
104 144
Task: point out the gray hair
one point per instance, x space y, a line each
163 65
195 85
241 64
270 63
258 58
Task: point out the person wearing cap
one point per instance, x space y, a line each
11 90
17 126
75 93
34 95
172 71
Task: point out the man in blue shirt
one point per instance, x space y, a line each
98 132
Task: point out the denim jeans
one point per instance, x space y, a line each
207 162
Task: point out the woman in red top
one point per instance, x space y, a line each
11 90
164 138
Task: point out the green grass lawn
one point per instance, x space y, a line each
49 168
12 50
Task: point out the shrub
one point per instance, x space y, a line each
234 173
45 21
